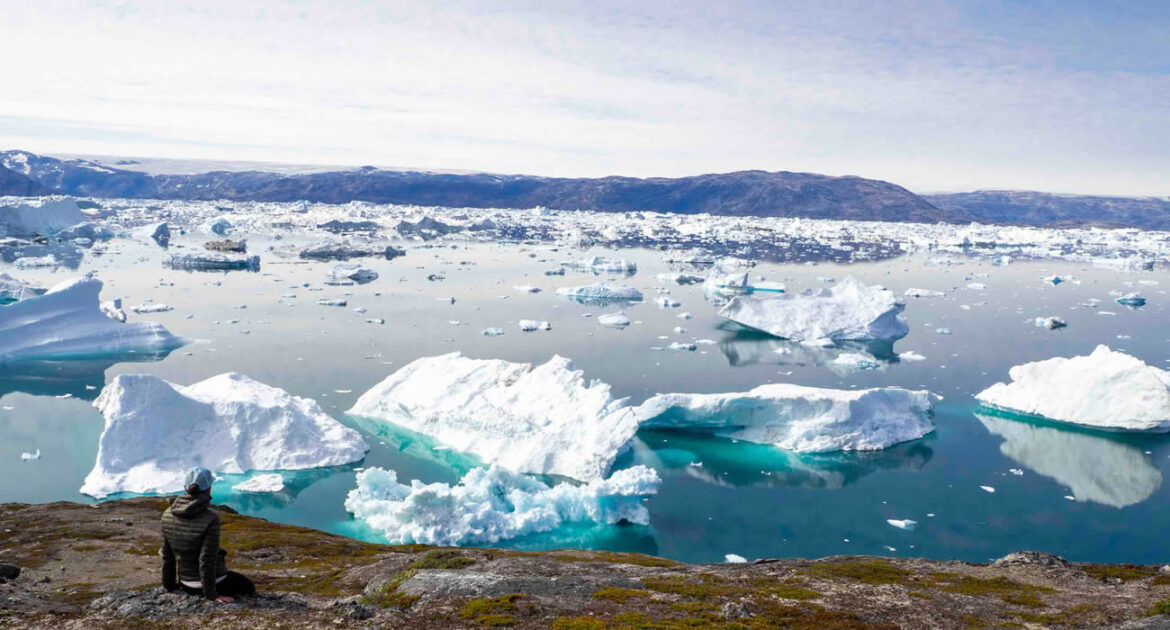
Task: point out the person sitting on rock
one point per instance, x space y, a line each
191 536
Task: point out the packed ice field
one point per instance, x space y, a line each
705 388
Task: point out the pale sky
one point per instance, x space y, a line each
1060 95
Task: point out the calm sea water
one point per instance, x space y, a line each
1085 495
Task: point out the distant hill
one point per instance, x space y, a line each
747 193
1035 208
744 193
14 183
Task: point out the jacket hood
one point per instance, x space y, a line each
187 506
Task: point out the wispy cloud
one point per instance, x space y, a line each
1067 96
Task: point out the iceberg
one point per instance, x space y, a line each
212 262
67 322
269 483
542 420
601 292
600 264
15 290
229 423
849 311
798 418
924 293
493 504
160 234
353 271
1051 323
1095 468
1131 299
1106 390
39 217
614 320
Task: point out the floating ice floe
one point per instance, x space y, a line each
218 226
342 249
847 311
228 423
798 418
1131 299
923 293
493 504
1106 389
1053 280
614 320
152 308
332 302
1051 323
734 558
905 523
530 325
67 322
212 262
15 290
38 217
600 264
493 332
1095 467
160 233
526 288
353 271
679 278
266 483
28 457
601 292
540 419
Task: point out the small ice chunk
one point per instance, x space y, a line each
1051 323
614 320
152 308
904 523
493 332
987 489
28 457
268 483
600 292
1131 299
332 302
529 325
527 288
923 293
734 558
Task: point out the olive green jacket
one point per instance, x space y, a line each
191 536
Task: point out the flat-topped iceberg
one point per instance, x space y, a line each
849 311
601 292
67 322
493 504
601 264
212 262
1095 468
229 423
798 418
1106 389
38 217
544 419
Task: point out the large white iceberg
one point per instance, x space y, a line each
38 217
1106 389
228 423
849 311
67 322
1094 468
799 418
544 419
493 504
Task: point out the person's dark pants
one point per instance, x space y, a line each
232 585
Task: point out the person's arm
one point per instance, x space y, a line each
209 559
168 566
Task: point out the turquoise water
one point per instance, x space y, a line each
1085 495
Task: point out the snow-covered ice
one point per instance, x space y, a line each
67 322
848 310
1106 389
541 419
267 483
155 431
493 504
38 217
798 418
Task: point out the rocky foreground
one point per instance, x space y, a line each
65 565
